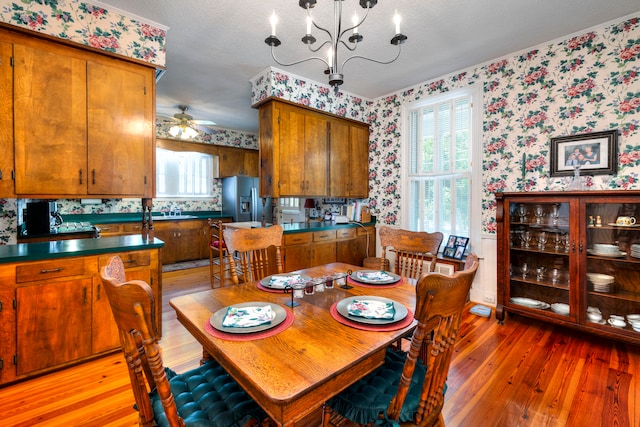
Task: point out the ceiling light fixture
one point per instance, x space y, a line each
334 68
182 131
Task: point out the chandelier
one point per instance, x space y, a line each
182 131
335 39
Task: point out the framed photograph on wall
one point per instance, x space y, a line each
455 247
595 153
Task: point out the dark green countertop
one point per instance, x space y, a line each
24 252
136 217
289 228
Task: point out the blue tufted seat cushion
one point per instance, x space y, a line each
368 398
208 396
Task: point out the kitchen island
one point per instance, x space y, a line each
53 310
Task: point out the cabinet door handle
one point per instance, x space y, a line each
84 295
51 270
98 295
93 176
80 176
581 248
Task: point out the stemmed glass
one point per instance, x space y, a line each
524 269
555 276
522 212
540 273
539 214
526 239
557 239
555 213
567 242
542 240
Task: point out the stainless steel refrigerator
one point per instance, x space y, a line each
241 200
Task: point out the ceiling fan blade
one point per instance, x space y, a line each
203 122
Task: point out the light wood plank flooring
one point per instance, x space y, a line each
523 373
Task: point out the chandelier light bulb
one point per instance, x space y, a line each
396 19
354 20
274 21
309 21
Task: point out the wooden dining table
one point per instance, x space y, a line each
292 373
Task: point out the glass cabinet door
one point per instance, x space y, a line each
613 263
539 254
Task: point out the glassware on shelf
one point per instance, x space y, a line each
526 239
567 242
555 214
542 240
539 213
524 269
555 276
540 273
522 212
557 241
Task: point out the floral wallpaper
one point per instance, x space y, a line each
584 83
94 25
232 138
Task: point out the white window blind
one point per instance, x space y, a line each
184 173
439 172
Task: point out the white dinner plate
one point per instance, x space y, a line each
371 277
279 315
266 282
529 302
618 255
343 309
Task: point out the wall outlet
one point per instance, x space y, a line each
489 299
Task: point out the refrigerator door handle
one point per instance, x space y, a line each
254 205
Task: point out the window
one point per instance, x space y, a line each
438 179
185 173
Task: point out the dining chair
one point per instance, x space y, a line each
206 395
416 251
219 266
409 387
258 249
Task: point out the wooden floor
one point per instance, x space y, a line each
522 373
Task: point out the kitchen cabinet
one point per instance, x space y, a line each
182 239
7 189
54 312
308 249
564 260
238 161
83 122
349 167
354 249
294 145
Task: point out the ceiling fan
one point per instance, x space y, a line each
185 125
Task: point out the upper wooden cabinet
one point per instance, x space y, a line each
7 188
237 161
83 122
349 169
305 152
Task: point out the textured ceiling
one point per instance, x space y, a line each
215 47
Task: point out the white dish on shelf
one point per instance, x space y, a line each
617 323
529 302
621 225
561 308
610 255
600 278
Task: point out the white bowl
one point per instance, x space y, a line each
617 323
600 279
594 316
560 308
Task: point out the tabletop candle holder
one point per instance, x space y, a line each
341 280
297 291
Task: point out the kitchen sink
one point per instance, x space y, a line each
175 217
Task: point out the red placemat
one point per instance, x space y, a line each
371 285
288 321
369 327
264 288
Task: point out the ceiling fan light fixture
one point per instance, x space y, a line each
182 131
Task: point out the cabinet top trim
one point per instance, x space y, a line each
273 99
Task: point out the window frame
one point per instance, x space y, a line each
475 202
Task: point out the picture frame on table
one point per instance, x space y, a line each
594 153
455 247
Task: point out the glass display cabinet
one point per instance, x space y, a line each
571 258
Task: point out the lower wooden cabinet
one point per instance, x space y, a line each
309 249
54 312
